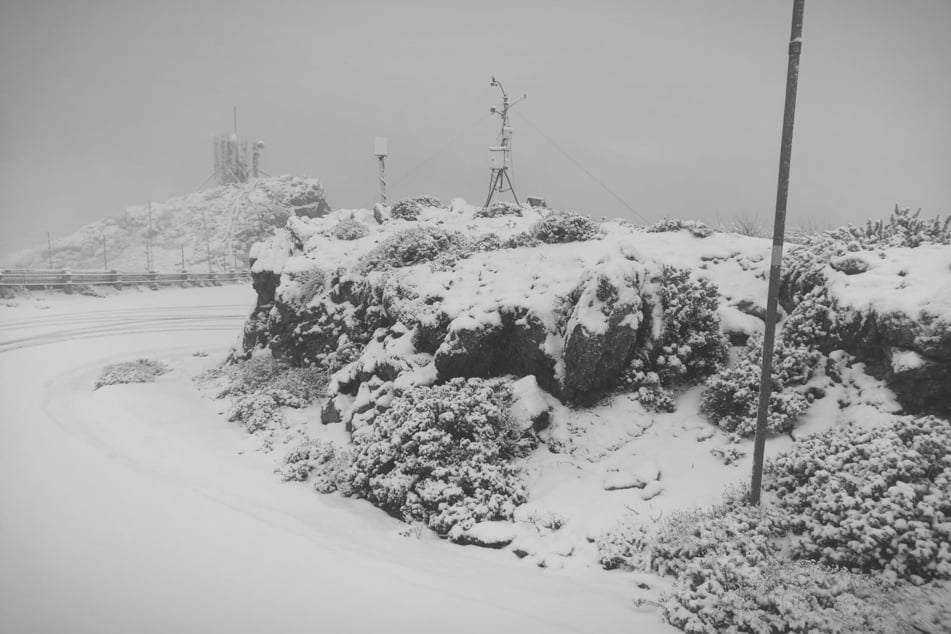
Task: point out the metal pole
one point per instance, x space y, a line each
105 259
207 243
779 228
149 242
183 258
382 178
49 244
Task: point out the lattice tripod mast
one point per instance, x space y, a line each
500 156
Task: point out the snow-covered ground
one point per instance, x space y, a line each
138 508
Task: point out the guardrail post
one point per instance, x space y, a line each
116 279
67 281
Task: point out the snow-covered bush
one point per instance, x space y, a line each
565 226
813 322
732 530
261 410
487 242
902 229
691 344
872 499
311 284
413 246
349 229
695 227
499 208
731 396
523 239
264 372
625 546
720 594
410 208
138 371
321 462
442 455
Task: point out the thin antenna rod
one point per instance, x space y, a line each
779 228
236 119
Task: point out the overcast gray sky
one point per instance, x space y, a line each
676 105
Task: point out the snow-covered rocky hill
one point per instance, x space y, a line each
584 393
220 222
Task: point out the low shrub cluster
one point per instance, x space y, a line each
320 462
903 228
497 209
262 372
872 499
731 396
695 227
565 226
442 455
413 246
626 546
138 371
690 346
262 385
349 229
410 208
487 242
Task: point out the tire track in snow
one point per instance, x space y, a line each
69 327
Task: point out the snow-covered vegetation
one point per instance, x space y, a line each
573 390
138 371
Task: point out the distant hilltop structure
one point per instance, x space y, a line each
235 159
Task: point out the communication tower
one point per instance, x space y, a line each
235 160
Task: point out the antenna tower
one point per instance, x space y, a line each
500 156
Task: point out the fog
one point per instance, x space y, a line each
674 107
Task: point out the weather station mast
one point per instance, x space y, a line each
500 156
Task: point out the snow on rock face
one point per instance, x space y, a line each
490 534
530 407
603 328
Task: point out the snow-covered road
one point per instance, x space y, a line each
136 509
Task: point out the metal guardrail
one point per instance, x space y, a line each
67 278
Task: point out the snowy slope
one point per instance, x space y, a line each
230 217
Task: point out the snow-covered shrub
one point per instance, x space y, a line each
624 546
413 246
695 227
730 577
565 226
691 344
812 323
261 410
872 499
349 229
487 242
264 372
903 229
138 371
321 462
499 208
406 209
720 594
523 239
733 530
311 284
731 396
442 455
410 208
